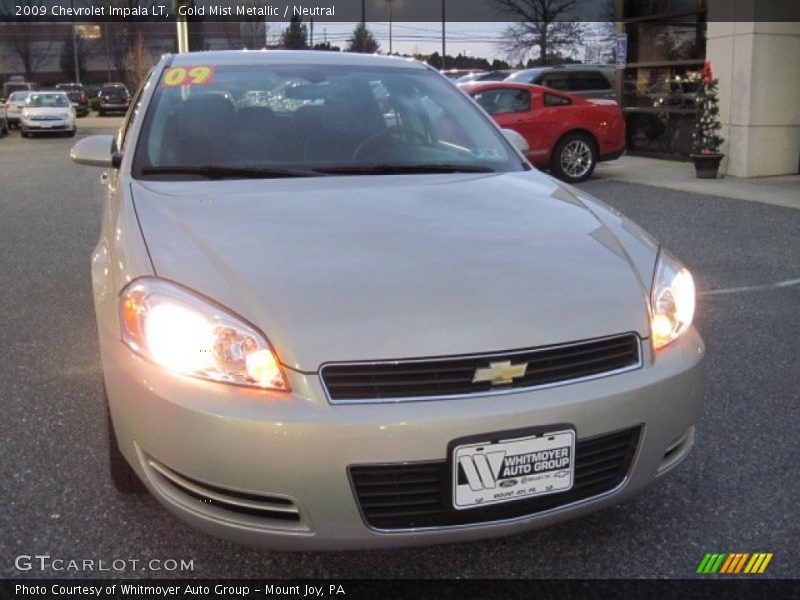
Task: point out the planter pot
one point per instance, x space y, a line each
706 166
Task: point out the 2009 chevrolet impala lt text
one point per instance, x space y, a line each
338 308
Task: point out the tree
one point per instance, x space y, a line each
295 36
326 46
362 40
706 138
250 33
29 42
140 61
550 26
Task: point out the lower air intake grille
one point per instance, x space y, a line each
411 495
466 375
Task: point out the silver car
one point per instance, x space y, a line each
582 80
362 319
47 112
14 106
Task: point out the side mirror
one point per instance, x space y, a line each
94 151
519 142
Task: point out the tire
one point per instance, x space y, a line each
101 112
574 157
124 478
71 133
23 133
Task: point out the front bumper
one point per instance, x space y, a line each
51 125
293 453
119 107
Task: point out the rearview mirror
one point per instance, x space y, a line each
519 142
94 151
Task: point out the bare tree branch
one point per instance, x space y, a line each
551 26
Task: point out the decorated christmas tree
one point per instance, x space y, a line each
706 138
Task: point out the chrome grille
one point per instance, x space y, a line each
453 376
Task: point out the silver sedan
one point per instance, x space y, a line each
360 318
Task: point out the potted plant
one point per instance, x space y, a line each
706 140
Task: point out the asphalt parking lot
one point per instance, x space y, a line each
736 493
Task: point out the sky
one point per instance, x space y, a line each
478 39
473 39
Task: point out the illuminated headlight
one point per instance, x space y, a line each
672 300
188 334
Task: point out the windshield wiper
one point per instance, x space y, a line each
402 169
216 172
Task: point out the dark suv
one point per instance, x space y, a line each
114 97
77 97
582 80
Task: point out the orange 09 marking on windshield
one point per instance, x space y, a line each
177 76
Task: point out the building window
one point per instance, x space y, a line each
666 41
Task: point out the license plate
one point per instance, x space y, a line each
513 469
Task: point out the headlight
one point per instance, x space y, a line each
672 300
25 114
188 334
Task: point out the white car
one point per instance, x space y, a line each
14 106
47 112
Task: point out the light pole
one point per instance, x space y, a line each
444 34
75 44
389 2
182 27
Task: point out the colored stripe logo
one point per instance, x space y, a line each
734 563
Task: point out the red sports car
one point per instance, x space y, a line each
567 134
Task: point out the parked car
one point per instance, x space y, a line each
77 96
113 97
455 74
14 106
321 328
487 76
16 85
582 80
47 112
3 119
567 134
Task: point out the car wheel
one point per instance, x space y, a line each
124 478
23 133
574 158
100 112
71 133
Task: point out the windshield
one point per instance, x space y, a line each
19 96
525 76
307 117
48 100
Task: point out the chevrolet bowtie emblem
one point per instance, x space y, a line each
498 373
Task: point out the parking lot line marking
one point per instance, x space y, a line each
751 288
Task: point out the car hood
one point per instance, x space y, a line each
385 267
47 111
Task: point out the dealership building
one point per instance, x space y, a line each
756 57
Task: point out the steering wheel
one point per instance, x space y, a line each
379 136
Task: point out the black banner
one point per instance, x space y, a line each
92 11
713 589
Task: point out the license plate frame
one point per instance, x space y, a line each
480 474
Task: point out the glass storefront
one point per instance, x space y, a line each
666 41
